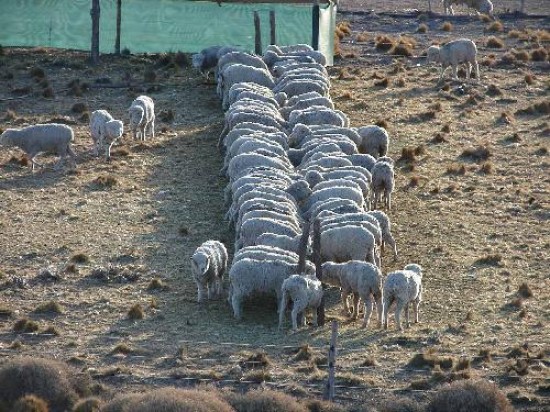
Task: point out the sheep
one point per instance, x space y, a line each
324 160
245 128
280 241
331 204
271 56
206 60
314 177
257 90
42 138
292 48
305 293
295 87
349 242
454 53
301 132
249 144
351 193
264 204
239 57
363 160
251 229
306 103
265 252
280 68
374 140
385 226
256 179
104 130
382 183
403 287
251 276
317 115
360 278
291 220
236 73
208 265
142 117
305 75
480 6
240 163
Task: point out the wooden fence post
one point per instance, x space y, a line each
272 33
318 268
522 6
118 21
258 34
329 389
315 25
95 12
302 253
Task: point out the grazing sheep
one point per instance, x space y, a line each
250 276
245 128
237 73
480 6
295 87
104 131
280 68
280 241
307 103
332 205
360 278
351 193
261 252
239 57
271 57
302 131
42 138
142 117
403 287
206 60
318 115
252 228
208 265
374 140
454 53
382 182
305 293
385 226
343 243
240 163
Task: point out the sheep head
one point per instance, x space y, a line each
433 54
200 263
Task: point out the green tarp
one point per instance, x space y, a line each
158 25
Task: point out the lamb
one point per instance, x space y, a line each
206 60
208 265
349 242
42 138
360 278
374 140
104 131
237 73
305 293
454 53
251 276
480 6
403 287
382 182
142 117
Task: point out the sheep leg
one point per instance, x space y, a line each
477 71
108 151
345 301
152 128
407 315
200 292
443 68
416 307
454 68
355 305
236 305
468 70
391 241
379 310
368 310
398 309
385 310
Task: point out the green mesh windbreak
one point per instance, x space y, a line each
158 25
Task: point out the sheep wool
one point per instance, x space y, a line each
208 265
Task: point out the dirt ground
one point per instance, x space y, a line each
471 205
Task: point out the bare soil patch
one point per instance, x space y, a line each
106 231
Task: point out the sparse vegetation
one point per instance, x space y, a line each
51 307
494 42
447 26
495 27
469 395
25 325
422 28
136 312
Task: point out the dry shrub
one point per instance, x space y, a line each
488 61
463 364
479 153
494 42
52 381
48 93
495 27
420 150
400 82
529 79
414 181
385 82
37 72
382 123
316 405
80 258
384 43
521 55
30 403
123 348
401 50
486 168
167 116
539 55
422 28
407 155
51 307
264 401
88 405
258 376
256 360
431 359
79 107
514 34
25 325
493 90
305 353
467 396
485 18
439 138
156 284
447 26
136 312
105 181
456 169
525 291
401 405
362 37
169 400
446 128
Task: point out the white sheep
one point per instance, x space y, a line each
302 132
362 279
318 115
237 73
105 131
403 287
480 6
244 128
383 182
142 117
280 68
306 103
42 138
252 228
250 276
280 241
260 252
295 87
208 265
332 204
350 242
374 140
241 163
272 56
305 293
351 193
454 53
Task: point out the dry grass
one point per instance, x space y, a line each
264 400
136 312
539 55
362 37
51 307
447 26
494 42
384 43
91 404
470 395
477 154
25 325
422 28
495 27
30 403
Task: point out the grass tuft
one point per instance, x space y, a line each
539 55
486 168
384 43
477 154
439 138
422 28
495 27
30 403
105 181
79 107
25 325
51 307
385 82
494 42
80 258
525 291
447 26
136 312
156 284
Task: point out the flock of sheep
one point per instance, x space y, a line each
291 158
